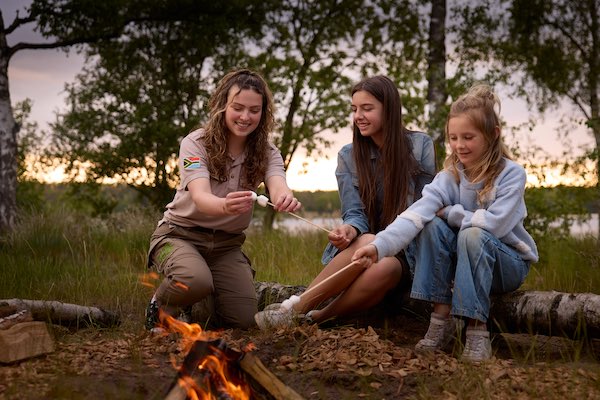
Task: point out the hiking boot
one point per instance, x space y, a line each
478 347
185 315
151 315
440 333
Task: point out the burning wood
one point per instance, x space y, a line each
208 372
212 370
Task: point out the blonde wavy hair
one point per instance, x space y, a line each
479 105
216 133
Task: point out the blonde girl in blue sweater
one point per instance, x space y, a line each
469 239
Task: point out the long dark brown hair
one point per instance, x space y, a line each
397 162
215 131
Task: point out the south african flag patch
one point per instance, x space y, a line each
191 163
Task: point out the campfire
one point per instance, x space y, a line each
212 370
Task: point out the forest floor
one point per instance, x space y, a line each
374 361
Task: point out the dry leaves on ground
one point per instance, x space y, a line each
338 362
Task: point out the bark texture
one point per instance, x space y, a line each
8 143
436 75
66 314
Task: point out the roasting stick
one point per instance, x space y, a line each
337 275
264 201
341 278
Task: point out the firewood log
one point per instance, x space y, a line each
25 340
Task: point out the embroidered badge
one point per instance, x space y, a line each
191 163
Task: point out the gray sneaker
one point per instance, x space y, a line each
440 333
478 347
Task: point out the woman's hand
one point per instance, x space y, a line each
287 203
342 236
366 255
237 202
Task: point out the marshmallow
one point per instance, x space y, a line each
254 196
291 302
262 200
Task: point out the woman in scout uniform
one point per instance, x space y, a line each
197 244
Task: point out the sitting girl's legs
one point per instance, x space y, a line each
356 289
432 258
484 265
359 292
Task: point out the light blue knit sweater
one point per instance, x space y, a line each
502 213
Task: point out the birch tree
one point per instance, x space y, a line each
68 23
43 14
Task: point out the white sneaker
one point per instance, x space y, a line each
274 319
281 318
478 346
440 333
272 306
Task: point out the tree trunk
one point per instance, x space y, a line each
8 144
64 313
594 122
574 315
268 219
436 75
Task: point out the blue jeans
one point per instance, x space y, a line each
463 268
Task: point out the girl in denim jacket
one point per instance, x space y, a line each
470 240
380 174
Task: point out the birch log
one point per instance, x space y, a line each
66 314
573 315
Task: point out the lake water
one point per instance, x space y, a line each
588 227
292 224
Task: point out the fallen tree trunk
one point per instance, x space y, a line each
71 315
575 315
572 315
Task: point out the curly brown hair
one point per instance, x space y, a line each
216 133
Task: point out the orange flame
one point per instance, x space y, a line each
214 366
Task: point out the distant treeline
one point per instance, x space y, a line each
329 201
102 199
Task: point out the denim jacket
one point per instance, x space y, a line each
353 210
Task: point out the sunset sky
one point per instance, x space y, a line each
40 75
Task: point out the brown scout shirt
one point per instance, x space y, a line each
192 165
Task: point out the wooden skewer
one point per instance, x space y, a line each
303 219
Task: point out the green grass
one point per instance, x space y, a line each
66 256
566 265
